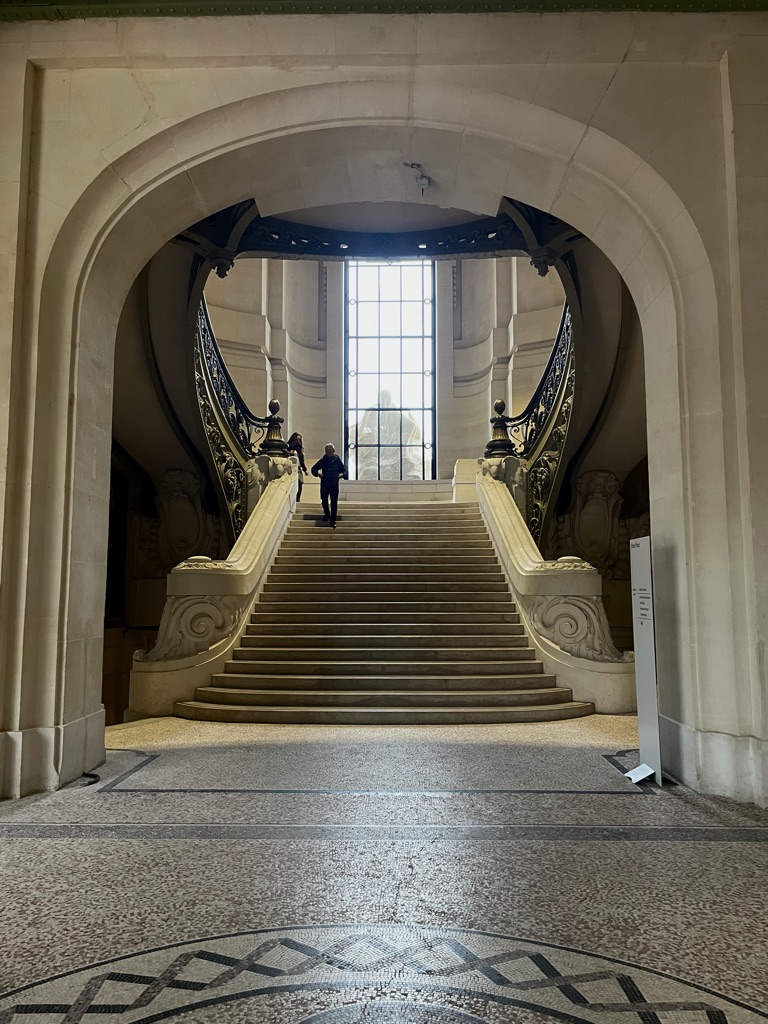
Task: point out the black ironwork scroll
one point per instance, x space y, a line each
246 429
235 436
537 436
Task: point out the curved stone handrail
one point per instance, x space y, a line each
560 601
208 602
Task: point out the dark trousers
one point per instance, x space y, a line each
329 495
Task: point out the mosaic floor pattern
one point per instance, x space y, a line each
220 874
370 975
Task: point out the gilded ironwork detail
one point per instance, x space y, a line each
526 429
542 471
231 474
536 438
247 430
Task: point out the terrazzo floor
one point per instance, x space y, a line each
307 875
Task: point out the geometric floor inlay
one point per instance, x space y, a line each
370 974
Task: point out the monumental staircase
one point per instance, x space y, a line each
399 616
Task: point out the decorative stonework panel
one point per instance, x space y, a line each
184 529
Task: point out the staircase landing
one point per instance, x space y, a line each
400 616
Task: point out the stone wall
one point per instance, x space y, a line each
643 131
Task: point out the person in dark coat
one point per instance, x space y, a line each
296 447
329 469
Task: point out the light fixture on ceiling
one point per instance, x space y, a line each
422 179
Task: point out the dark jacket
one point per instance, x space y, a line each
332 468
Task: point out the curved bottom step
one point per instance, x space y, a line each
200 711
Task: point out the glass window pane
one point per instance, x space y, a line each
413 463
390 390
367 282
352 426
389 278
352 355
413 389
413 318
428 432
389 463
412 355
367 321
413 426
352 392
390 319
352 320
368 355
367 463
413 282
368 427
427 348
367 390
390 355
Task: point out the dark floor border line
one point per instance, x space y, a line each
403 833
148 758
404 792
438 929
112 787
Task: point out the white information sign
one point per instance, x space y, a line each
645 654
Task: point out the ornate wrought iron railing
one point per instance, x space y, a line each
247 430
536 438
236 438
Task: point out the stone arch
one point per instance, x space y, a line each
189 171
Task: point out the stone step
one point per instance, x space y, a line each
400 617
406 508
368 680
357 562
392 599
383 698
298 619
387 599
271 649
414 516
476 645
468 715
342 576
380 530
382 587
329 541
246 661
439 633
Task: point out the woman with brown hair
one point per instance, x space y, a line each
296 447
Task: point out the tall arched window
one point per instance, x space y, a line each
389 392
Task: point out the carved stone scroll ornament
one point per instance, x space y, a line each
193 624
577 625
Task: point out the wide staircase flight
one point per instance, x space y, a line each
401 616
